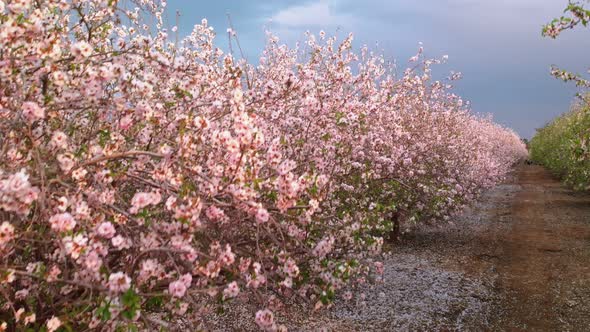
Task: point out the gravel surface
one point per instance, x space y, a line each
417 294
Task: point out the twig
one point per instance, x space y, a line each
117 156
69 282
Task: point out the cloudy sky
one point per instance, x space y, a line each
496 44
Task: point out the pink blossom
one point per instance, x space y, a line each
66 161
286 167
265 319
227 257
19 6
120 242
258 279
62 204
62 222
81 49
139 201
215 214
201 122
7 277
59 140
177 288
54 272
323 247
171 203
119 282
22 294
76 245
288 282
30 319
58 78
18 314
53 324
92 261
379 267
262 215
126 122
238 95
186 279
347 295
79 174
6 233
149 268
106 230
291 268
18 183
211 269
32 111
231 290
142 199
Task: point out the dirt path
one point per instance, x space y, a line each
544 261
519 260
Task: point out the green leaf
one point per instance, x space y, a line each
103 137
155 302
131 301
103 312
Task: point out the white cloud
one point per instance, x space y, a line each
313 14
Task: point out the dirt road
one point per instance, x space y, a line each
519 260
544 261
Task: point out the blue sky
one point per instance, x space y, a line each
496 44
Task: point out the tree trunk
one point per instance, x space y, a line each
394 235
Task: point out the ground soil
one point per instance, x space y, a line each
519 260
544 261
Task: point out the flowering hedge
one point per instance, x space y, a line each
563 146
142 181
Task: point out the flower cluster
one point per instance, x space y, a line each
146 180
578 15
16 193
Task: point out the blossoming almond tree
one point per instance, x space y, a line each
142 181
384 142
